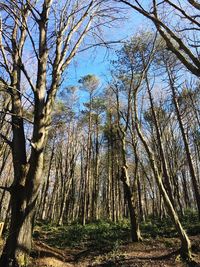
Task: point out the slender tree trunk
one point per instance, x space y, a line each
160 143
108 189
187 148
46 185
142 218
130 196
96 176
185 249
67 188
185 190
135 230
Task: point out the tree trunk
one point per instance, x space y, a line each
23 206
187 148
18 244
185 190
185 249
46 185
160 144
129 195
135 230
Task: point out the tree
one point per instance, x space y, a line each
89 83
172 78
52 32
130 191
181 40
141 51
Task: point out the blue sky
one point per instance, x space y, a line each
97 61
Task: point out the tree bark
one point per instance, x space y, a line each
186 144
185 250
129 195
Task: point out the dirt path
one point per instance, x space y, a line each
155 253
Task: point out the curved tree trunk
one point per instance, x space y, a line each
185 250
186 145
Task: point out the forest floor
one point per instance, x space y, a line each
105 243
158 252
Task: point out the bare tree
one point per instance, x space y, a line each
52 32
182 40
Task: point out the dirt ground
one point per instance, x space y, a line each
156 253
160 252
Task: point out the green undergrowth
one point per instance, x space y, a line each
99 235
103 235
164 228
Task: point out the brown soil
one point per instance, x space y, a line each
156 253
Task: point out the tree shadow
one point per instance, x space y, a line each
137 260
45 251
92 251
161 257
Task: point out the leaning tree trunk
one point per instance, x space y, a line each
160 144
185 250
187 148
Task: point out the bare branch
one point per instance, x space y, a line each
194 4
6 140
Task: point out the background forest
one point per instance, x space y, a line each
102 162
